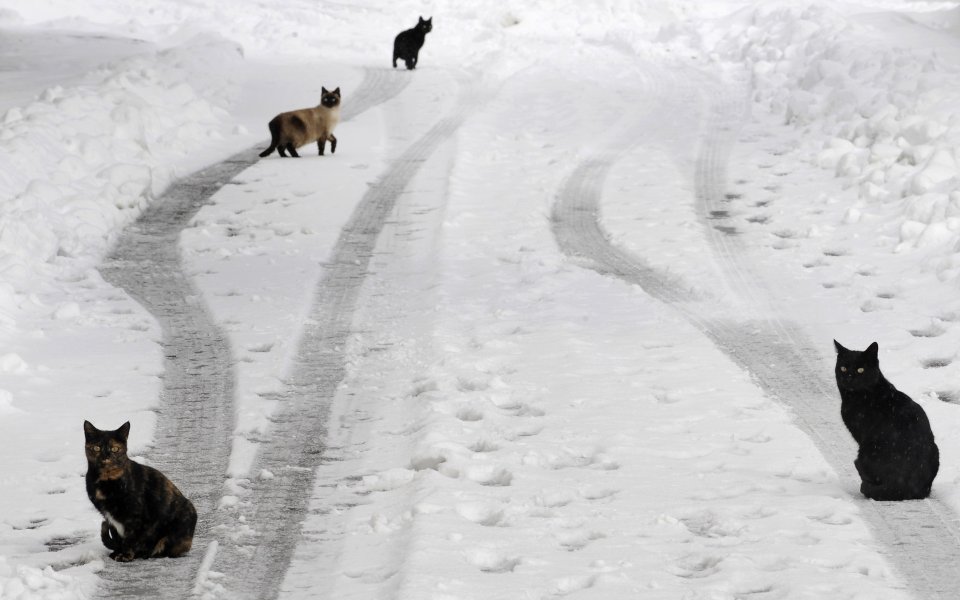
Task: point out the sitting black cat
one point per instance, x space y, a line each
407 44
898 458
144 514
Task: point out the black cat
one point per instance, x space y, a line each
144 514
407 44
898 458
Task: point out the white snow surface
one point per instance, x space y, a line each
513 424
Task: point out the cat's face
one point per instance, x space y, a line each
856 370
425 26
330 99
107 449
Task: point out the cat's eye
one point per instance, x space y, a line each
115 449
860 370
96 448
843 369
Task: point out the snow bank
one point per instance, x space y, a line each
79 163
878 110
29 583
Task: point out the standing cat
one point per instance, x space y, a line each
898 458
407 44
144 514
290 130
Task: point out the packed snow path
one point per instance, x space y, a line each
921 538
195 427
297 443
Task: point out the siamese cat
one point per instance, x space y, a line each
293 129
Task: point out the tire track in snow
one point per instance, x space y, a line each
196 413
920 538
276 505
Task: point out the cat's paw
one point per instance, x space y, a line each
122 556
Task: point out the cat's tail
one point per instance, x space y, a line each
274 137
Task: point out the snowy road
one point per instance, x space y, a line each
297 442
553 322
921 538
196 421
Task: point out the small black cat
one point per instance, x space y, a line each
898 458
407 44
144 514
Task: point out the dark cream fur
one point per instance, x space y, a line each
290 130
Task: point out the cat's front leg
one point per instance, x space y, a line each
126 549
109 536
865 475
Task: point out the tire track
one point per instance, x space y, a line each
275 507
196 413
920 538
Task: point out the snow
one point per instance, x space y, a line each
512 423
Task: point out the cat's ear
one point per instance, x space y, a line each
89 430
429 20
323 90
839 348
421 19
124 431
871 351
336 91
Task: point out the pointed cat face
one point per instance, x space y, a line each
107 450
856 370
425 26
330 99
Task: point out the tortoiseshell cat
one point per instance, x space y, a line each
898 458
145 515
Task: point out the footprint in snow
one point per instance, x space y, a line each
572 458
569 585
572 541
554 499
708 524
930 331
489 475
483 445
481 513
949 396
937 363
60 542
470 414
817 262
835 252
727 230
491 561
695 566
466 384
519 409
597 492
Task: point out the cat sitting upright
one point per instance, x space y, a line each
407 44
898 458
145 515
290 130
